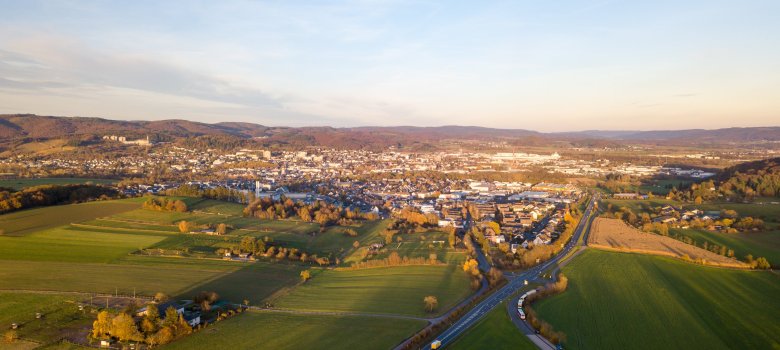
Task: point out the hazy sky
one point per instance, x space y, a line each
541 65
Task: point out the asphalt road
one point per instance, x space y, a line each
484 307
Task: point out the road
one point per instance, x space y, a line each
514 284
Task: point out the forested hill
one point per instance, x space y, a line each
759 178
21 127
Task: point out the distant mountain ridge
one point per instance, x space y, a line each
725 134
15 126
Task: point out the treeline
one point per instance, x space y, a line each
164 204
265 247
746 186
395 260
619 183
46 195
546 329
320 212
741 182
219 142
218 193
410 218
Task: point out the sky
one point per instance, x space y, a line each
539 65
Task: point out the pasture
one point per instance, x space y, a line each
765 244
70 244
59 311
253 282
422 245
495 331
31 220
106 278
19 184
633 301
386 290
263 330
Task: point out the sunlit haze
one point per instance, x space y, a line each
540 65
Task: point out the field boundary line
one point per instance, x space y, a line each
121 228
339 313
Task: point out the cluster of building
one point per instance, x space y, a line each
124 140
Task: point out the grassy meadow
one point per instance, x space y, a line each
759 244
260 330
32 220
58 310
73 245
391 290
633 301
495 331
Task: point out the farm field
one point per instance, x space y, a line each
19 184
422 245
31 220
254 330
253 282
103 278
660 186
59 311
625 301
765 244
390 290
495 331
614 234
73 245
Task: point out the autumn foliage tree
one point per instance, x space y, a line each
431 303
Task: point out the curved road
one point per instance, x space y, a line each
514 284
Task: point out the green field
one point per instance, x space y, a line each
104 278
419 245
495 331
26 221
59 311
114 246
258 330
73 245
633 301
19 184
253 282
391 290
659 186
759 244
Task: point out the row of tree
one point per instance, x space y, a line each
46 195
217 193
320 212
165 204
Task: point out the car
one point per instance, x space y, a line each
436 344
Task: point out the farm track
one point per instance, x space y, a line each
336 313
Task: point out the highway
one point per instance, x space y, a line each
514 284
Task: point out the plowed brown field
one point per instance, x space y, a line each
614 234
